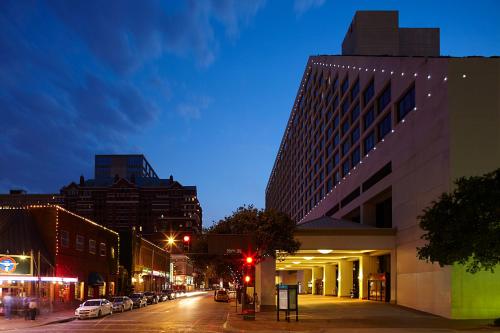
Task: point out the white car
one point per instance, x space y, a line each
94 308
122 303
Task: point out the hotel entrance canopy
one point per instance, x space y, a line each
327 240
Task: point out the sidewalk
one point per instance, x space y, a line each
327 314
18 323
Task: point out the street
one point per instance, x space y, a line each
190 314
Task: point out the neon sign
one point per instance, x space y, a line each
8 265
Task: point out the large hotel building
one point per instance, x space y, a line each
375 135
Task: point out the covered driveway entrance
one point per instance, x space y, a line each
341 258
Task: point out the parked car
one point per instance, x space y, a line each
170 293
151 297
221 296
162 297
139 300
122 303
94 308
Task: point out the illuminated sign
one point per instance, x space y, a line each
15 264
7 265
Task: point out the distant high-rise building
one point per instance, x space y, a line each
124 166
127 193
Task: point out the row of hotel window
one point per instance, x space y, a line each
80 244
405 105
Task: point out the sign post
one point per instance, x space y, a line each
287 301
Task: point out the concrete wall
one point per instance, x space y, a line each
474 112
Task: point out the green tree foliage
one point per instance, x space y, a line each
464 226
272 231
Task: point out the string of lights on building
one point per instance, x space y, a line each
350 67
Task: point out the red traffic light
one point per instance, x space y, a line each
249 260
247 278
187 238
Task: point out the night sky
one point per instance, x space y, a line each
202 88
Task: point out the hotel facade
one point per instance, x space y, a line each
375 135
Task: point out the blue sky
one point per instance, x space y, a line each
202 88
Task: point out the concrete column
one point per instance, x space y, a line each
329 280
394 272
265 272
313 280
345 278
367 265
317 275
300 278
307 277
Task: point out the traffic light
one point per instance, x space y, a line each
187 241
249 270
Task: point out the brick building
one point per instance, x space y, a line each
126 192
75 257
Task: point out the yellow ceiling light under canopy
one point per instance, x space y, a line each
308 258
296 262
323 251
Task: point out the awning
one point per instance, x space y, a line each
96 279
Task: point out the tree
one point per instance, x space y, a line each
464 226
273 231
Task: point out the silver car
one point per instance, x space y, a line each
122 303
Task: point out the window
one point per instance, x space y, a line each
329 133
329 167
335 103
345 127
384 99
369 117
345 168
329 150
384 126
345 147
91 246
335 84
369 92
64 238
336 139
345 107
102 249
80 243
336 159
112 251
329 185
336 121
369 142
355 156
406 104
336 178
355 90
355 135
345 85
355 113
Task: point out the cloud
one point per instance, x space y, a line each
302 6
124 34
73 80
192 110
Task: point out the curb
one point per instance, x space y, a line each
63 320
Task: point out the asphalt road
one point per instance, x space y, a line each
190 314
